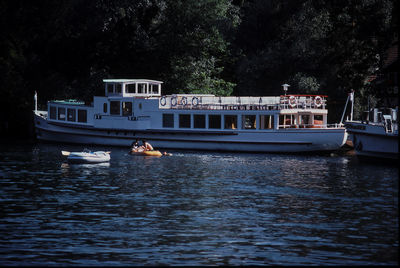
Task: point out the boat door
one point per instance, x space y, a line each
388 123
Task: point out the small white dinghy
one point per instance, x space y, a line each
87 156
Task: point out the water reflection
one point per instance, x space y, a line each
95 169
195 208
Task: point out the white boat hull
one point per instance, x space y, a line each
282 140
88 157
373 141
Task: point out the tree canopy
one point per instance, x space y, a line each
63 49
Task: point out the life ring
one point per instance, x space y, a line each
318 101
292 101
173 101
184 101
195 101
163 101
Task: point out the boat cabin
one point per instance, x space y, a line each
118 102
281 112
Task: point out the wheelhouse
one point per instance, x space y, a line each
132 88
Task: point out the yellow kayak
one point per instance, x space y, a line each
148 153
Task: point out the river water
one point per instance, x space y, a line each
195 208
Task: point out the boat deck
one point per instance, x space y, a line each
207 102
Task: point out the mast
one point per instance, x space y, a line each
352 104
35 99
350 97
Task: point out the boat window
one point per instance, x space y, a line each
248 121
110 88
153 89
318 119
168 120
184 120
126 108
304 120
82 116
118 88
388 123
199 121
214 121
141 88
71 115
115 107
266 121
286 120
230 121
53 112
61 113
130 88
105 107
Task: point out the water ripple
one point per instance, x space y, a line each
195 208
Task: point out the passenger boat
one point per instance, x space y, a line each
87 156
135 109
376 138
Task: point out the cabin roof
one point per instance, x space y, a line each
129 81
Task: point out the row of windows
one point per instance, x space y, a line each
248 121
215 121
141 88
303 119
68 114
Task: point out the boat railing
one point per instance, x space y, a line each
129 117
335 125
210 102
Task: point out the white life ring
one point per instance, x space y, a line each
195 101
163 101
292 101
184 101
318 101
173 101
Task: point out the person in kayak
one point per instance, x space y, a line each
135 145
147 146
136 148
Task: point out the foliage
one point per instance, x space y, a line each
63 49
305 84
325 47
